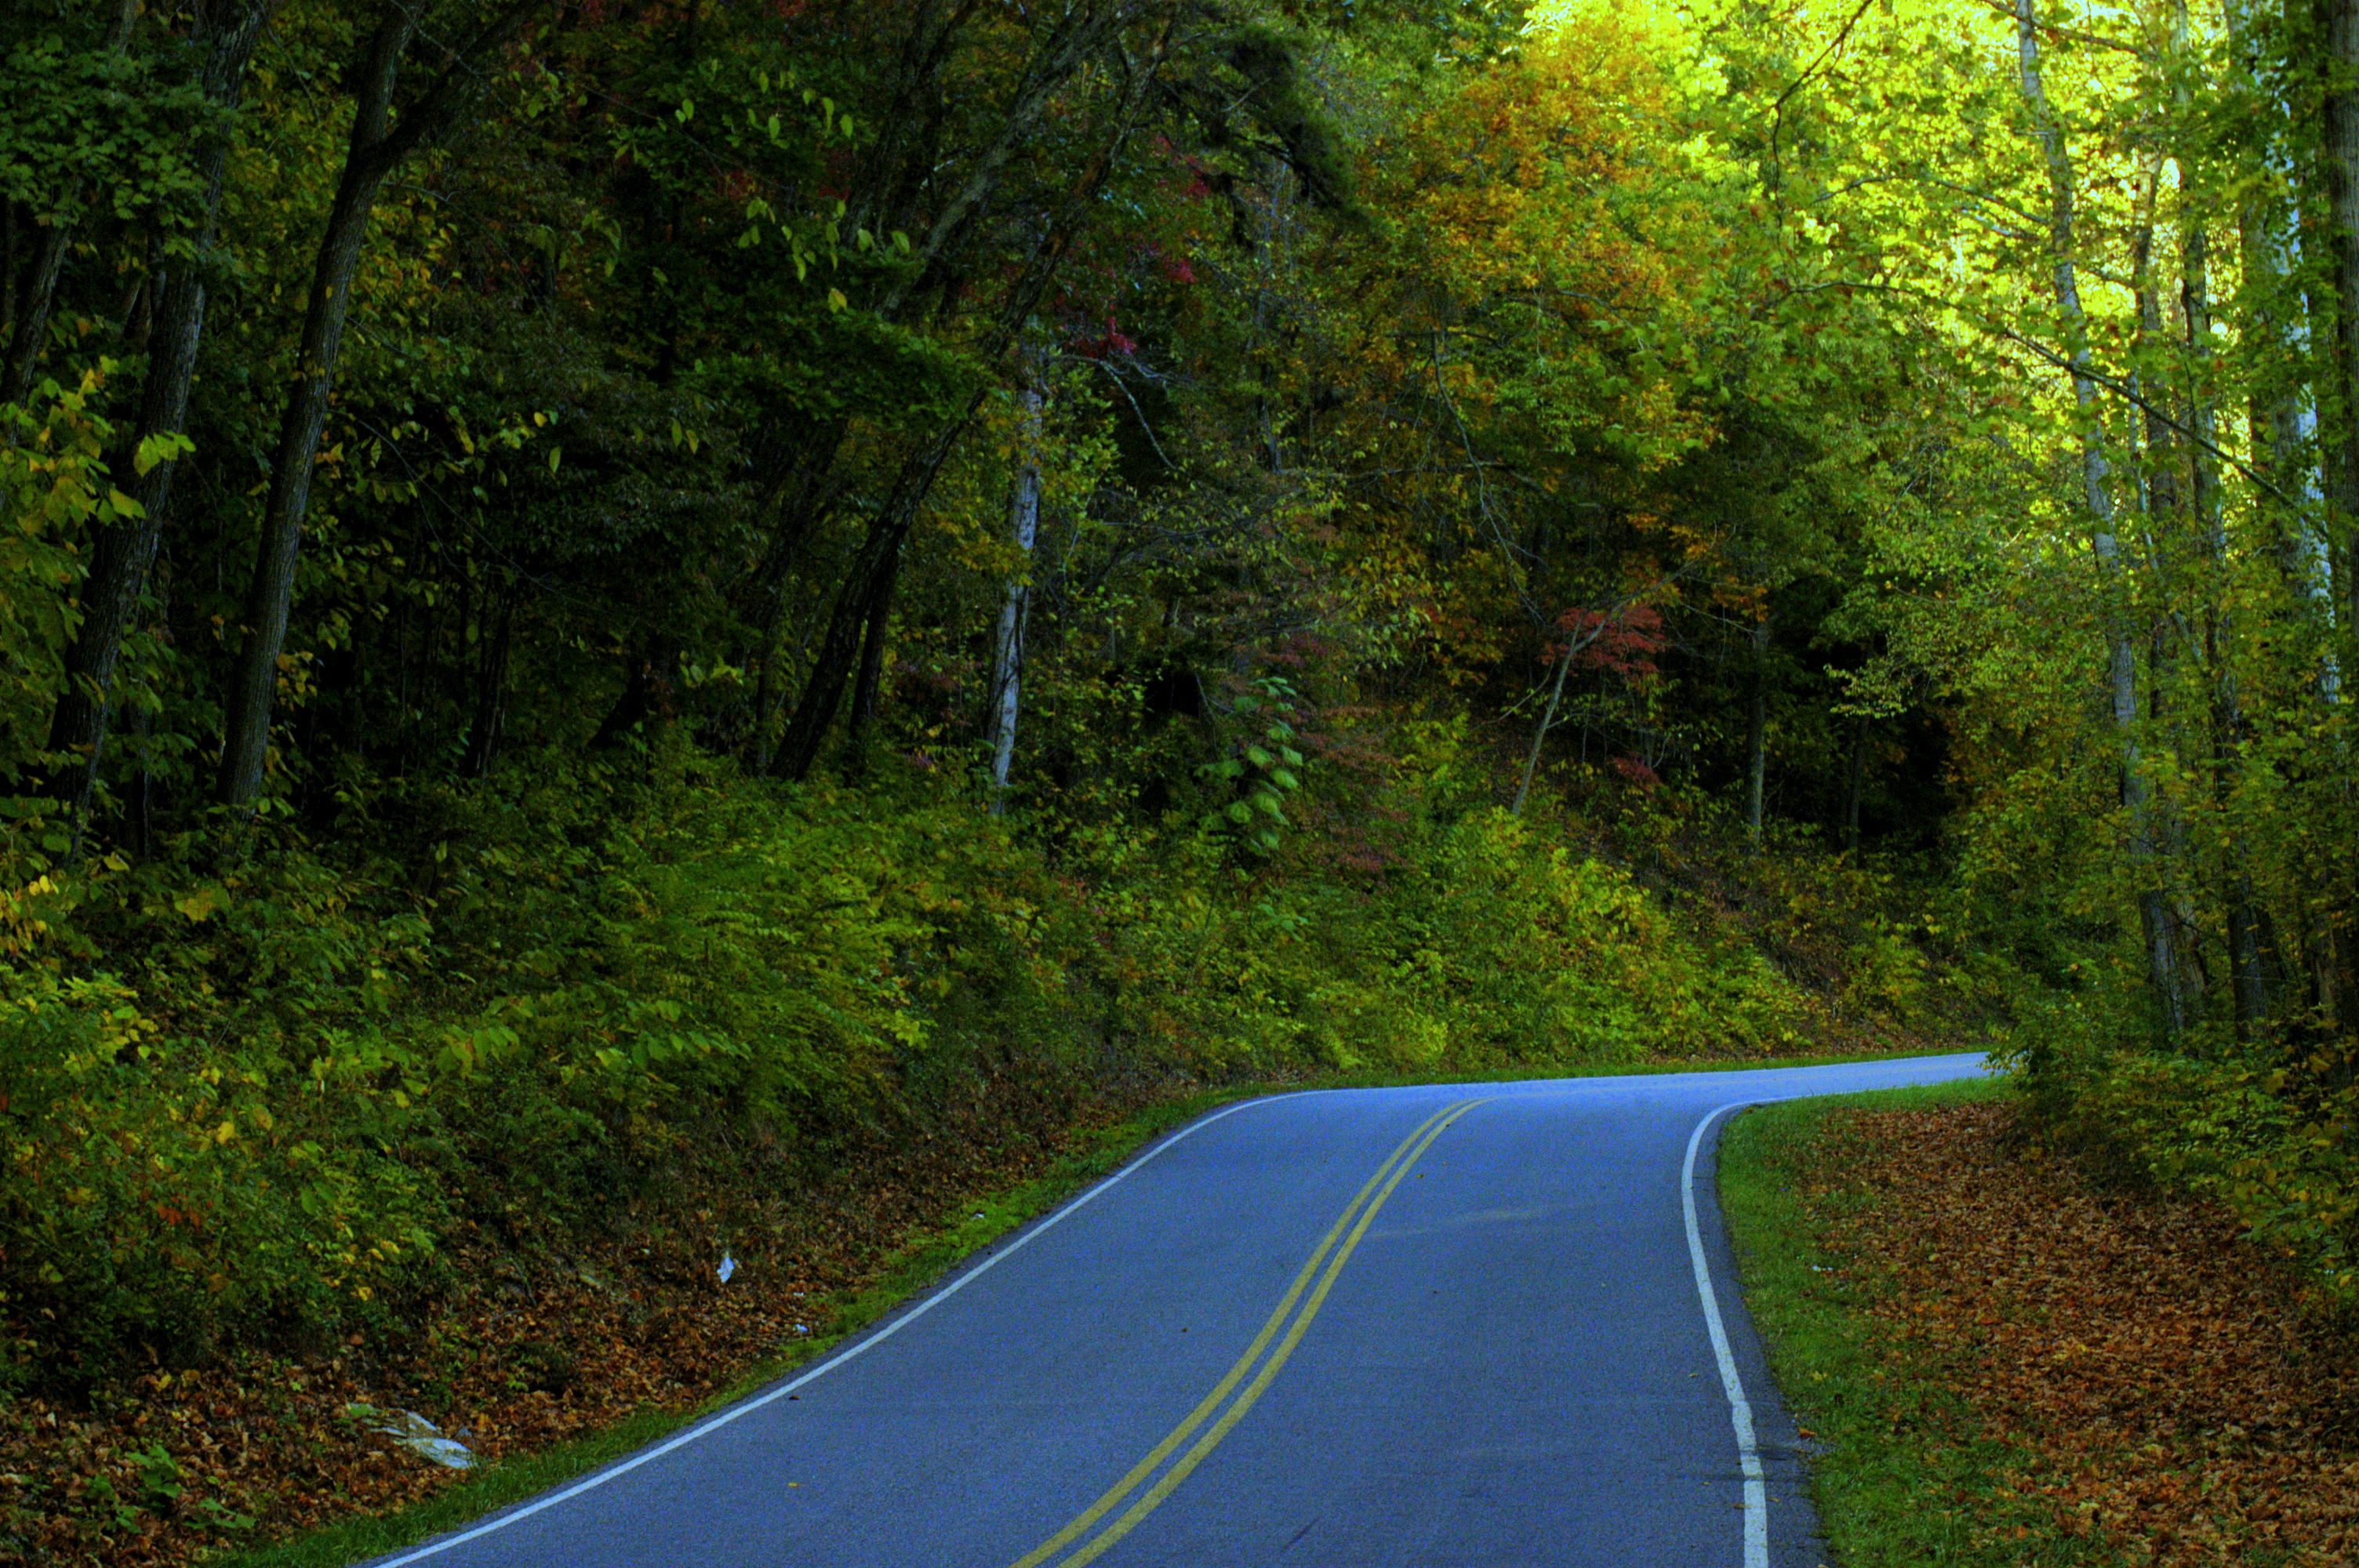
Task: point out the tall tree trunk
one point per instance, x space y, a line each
489 726
227 31
1852 792
2121 676
868 688
254 686
878 557
2252 972
1757 732
2339 151
31 332
374 152
2253 979
800 498
873 566
646 694
1540 730
2337 243
1007 646
2164 915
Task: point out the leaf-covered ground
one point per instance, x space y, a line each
2162 1389
534 1348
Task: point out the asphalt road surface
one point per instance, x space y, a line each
1447 1326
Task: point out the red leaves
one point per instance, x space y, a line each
1107 344
1624 642
2167 1390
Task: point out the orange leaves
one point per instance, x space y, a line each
2170 1396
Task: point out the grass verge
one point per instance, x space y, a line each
972 1223
1901 1469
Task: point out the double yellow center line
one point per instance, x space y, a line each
1349 1227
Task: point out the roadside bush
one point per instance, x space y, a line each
2267 1131
159 1196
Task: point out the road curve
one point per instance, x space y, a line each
1448 1326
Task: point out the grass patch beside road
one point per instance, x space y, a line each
2009 1360
1902 1471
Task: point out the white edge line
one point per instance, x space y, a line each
1740 1410
746 1407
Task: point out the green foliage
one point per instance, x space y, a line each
300 1075
1488 944
687 398
1262 775
162 1194
102 129
2270 1134
54 488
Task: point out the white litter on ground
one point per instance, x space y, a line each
423 1438
728 1267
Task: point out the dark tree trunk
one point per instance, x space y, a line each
810 491
123 552
30 319
490 725
869 577
867 691
2339 152
1756 731
375 152
2254 974
646 694
254 687
31 329
1077 36
1851 793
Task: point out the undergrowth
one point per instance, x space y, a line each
251 1107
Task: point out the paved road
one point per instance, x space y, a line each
1450 1327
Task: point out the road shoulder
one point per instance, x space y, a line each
1897 1469
2003 1361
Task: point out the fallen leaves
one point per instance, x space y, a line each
553 1337
2169 1394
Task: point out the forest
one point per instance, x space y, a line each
615 607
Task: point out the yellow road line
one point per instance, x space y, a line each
1163 1450
1390 1174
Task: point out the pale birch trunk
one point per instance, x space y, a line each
1008 646
2121 675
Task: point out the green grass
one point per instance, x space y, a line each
1899 1475
972 1223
